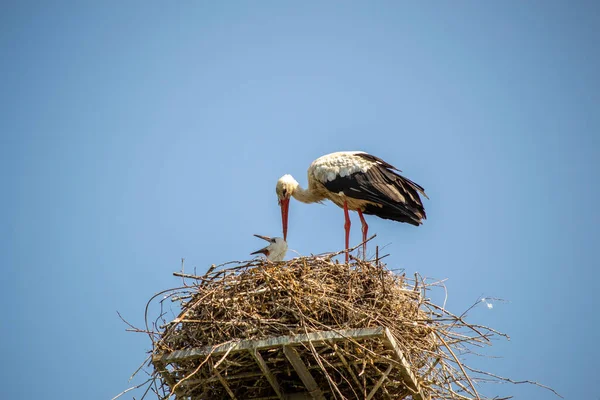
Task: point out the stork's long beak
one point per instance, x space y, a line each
285 205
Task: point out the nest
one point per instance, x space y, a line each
312 328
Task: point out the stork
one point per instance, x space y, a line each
276 249
355 180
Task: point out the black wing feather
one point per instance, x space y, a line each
381 185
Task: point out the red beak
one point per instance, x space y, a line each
261 251
285 205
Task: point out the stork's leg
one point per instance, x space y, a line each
365 229
347 228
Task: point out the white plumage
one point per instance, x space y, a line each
340 164
275 251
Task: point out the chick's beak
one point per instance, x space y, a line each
268 239
265 250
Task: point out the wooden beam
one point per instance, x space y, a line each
409 379
246 375
379 382
162 369
224 383
267 373
181 355
311 385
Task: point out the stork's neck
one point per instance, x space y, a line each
306 195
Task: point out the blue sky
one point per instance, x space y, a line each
137 133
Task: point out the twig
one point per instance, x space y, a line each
460 365
508 380
132 388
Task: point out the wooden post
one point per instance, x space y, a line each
292 355
267 372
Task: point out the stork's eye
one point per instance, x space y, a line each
284 192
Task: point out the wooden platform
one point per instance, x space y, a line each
366 362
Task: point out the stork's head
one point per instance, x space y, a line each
276 249
286 185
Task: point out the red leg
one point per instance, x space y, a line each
365 229
347 228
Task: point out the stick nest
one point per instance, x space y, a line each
261 299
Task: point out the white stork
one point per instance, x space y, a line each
355 180
276 249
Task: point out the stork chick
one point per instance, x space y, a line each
276 249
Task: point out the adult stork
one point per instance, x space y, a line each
355 180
